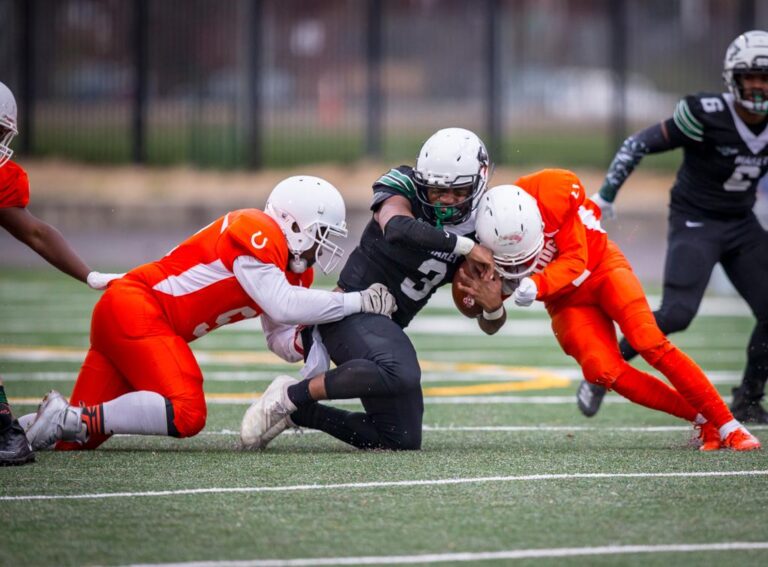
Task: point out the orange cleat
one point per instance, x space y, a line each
709 437
741 440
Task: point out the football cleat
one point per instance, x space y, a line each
55 421
709 437
268 416
748 409
741 440
14 447
589 397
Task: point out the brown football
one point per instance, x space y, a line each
464 303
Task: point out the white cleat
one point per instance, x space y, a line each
268 416
56 420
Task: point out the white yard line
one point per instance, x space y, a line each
383 484
572 373
477 556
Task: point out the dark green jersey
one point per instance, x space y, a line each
723 159
412 274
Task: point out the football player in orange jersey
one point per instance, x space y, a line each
140 375
549 246
43 239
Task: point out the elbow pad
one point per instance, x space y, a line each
417 234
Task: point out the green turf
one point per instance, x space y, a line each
43 310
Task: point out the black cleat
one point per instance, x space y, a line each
14 447
748 409
589 397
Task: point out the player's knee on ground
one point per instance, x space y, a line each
189 415
598 370
405 440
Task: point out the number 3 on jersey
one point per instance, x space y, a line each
434 271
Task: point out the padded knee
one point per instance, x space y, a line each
674 318
401 377
655 353
604 373
402 440
189 415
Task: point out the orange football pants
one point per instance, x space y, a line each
133 347
583 322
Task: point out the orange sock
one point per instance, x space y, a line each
644 389
689 379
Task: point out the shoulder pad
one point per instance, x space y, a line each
398 181
252 233
693 111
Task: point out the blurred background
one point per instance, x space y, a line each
142 120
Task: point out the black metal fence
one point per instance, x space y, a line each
254 83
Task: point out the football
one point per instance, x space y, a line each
464 303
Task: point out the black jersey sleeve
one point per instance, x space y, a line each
658 138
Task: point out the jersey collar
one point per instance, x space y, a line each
755 142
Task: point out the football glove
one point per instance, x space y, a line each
377 299
525 293
97 280
606 207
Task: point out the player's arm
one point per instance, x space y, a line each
660 137
395 217
283 340
45 240
487 293
292 305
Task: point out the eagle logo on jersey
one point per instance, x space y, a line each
727 151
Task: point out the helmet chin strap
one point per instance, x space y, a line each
297 264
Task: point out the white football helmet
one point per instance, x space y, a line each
8 128
452 157
509 223
748 53
309 211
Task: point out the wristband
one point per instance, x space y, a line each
494 315
464 245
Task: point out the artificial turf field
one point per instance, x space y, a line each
510 472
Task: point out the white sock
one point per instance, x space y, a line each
729 428
141 412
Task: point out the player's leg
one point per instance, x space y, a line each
587 334
692 253
374 358
623 300
387 423
165 395
746 264
690 259
14 447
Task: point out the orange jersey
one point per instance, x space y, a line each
574 240
195 284
14 186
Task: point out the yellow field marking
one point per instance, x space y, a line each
534 378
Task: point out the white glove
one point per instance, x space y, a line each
377 299
606 207
97 280
525 293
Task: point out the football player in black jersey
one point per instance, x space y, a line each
423 219
725 152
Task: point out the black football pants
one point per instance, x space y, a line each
376 362
694 246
